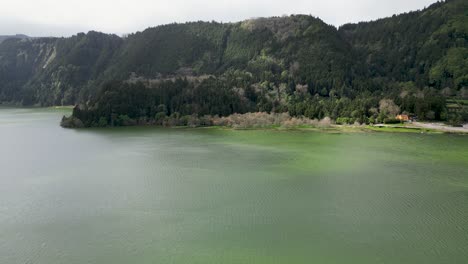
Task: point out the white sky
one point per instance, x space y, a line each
67 17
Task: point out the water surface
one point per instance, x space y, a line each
149 195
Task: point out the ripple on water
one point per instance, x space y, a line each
197 196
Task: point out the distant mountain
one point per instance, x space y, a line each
297 64
17 36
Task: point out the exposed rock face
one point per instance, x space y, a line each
71 122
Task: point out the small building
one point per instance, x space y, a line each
403 118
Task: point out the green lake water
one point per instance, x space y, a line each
152 195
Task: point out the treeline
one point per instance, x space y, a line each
125 103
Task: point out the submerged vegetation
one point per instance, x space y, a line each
412 64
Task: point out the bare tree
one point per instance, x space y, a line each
388 107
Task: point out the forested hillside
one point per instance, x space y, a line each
412 63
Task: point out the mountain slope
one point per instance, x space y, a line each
297 64
17 36
410 47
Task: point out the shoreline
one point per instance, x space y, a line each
337 129
12 106
416 127
441 127
362 129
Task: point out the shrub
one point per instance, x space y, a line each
342 120
391 121
102 122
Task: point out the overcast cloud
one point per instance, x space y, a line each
67 17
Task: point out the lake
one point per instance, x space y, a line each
154 195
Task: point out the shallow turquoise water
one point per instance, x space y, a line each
149 195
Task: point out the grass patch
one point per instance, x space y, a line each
402 129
